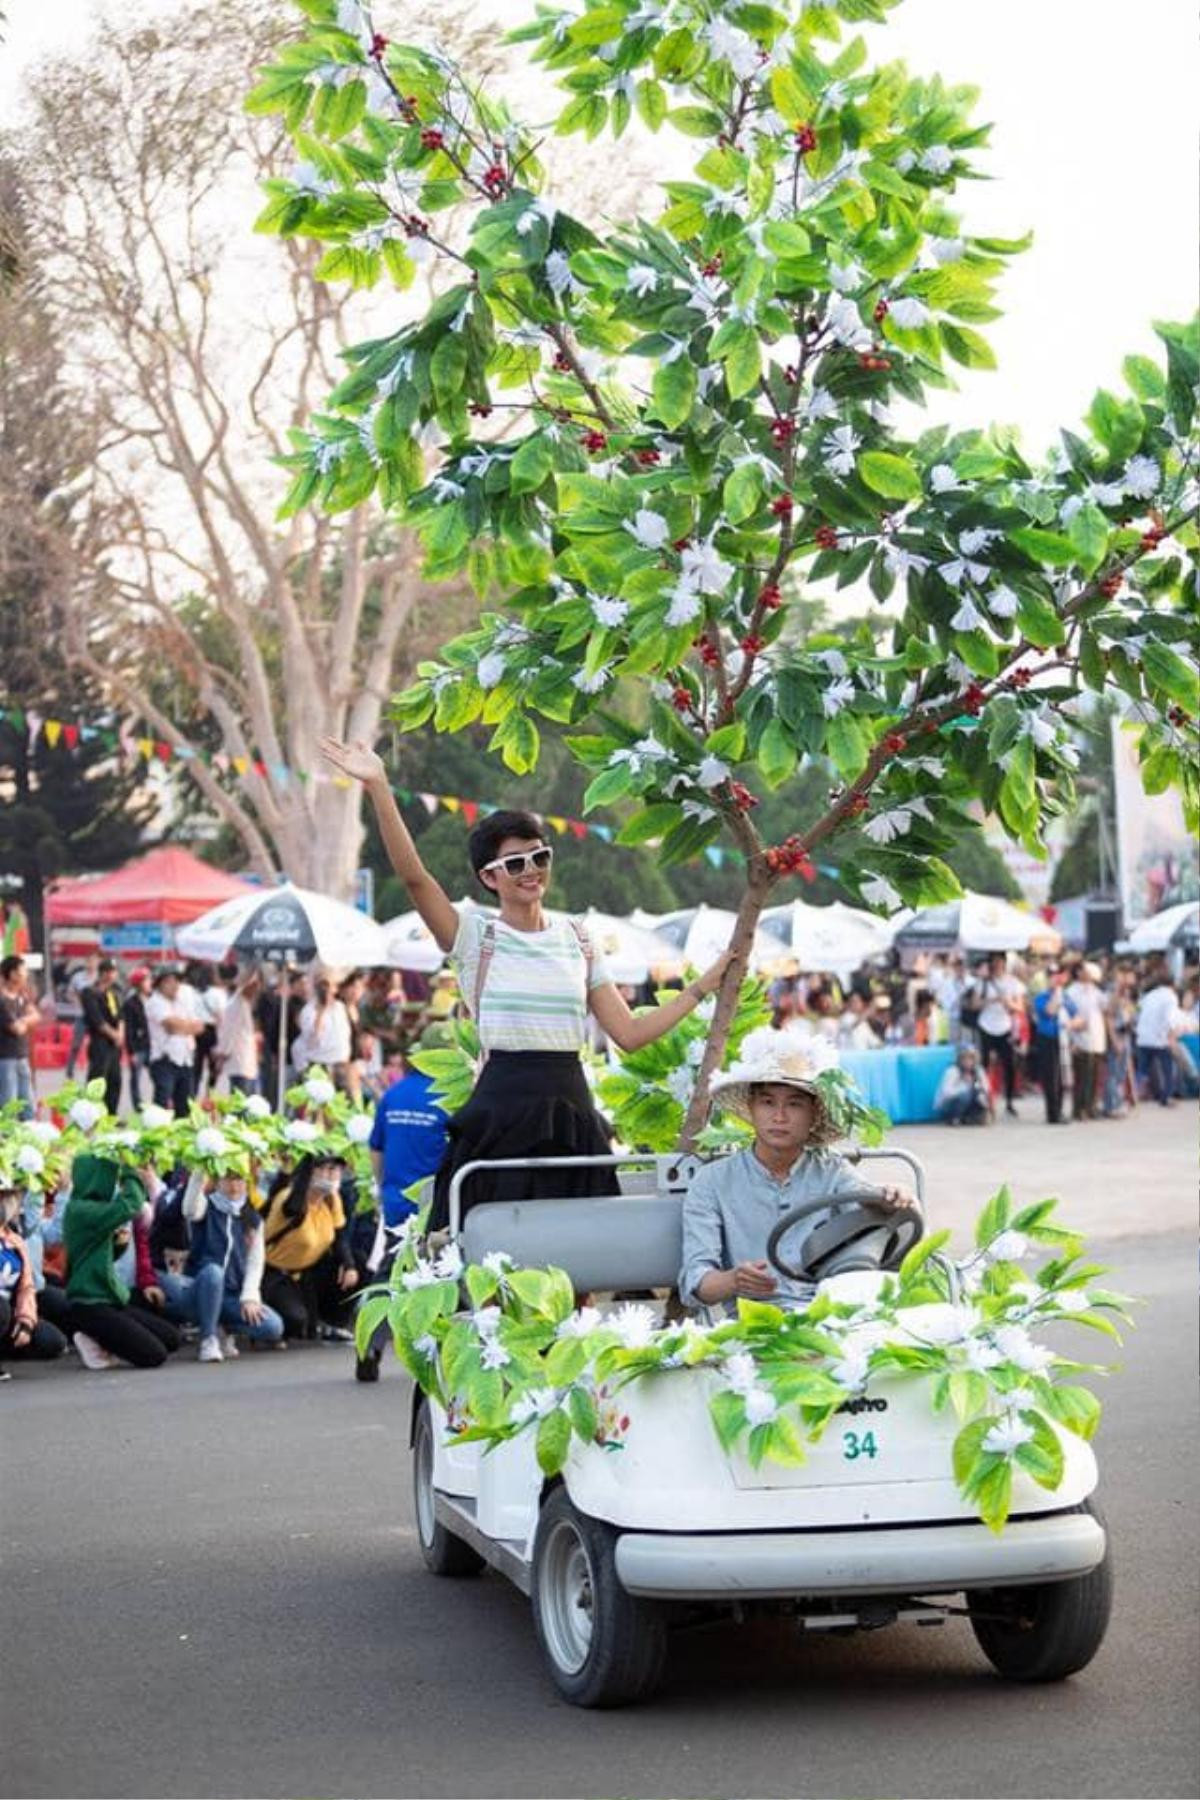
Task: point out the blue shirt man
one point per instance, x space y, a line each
407 1141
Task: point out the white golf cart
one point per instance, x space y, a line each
870 1530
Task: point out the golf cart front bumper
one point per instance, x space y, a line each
923 1559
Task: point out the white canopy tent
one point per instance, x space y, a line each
700 933
411 945
976 923
632 952
833 939
1175 926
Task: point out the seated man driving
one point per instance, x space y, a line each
735 1202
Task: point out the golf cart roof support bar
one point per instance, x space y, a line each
454 1201
904 1156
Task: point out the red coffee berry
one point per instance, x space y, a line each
782 506
858 804
752 645
893 743
805 868
930 728
782 430
562 363
743 799
881 311
791 375
681 544
681 699
478 411
770 598
594 442
710 656
806 139
973 698
378 45
1021 678
431 138
494 178
1110 587
648 458
713 266
825 537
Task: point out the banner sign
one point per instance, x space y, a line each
1157 858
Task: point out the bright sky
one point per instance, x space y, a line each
1093 149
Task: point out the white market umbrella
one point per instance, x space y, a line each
290 922
701 933
631 951
411 945
1174 925
833 939
977 923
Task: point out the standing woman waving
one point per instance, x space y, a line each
529 978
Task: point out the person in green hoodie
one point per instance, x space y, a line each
105 1325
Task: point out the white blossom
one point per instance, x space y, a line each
833 660
1016 1346
740 1371
729 44
712 772
979 1354
961 569
845 277
449 1263
580 1323
851 1371
888 825
839 448
943 480
489 672
46 1131
681 1085
1008 1246
845 322
937 160
900 561
968 617
426 1346
976 539
878 892
685 606
649 528
497 1261
85 1113
946 250
359 1127
155 1117
607 611
541 209
1007 1435
211 1142
1106 493
300 1131
702 568
319 1090
558 274
257 1107
1002 603
594 683
905 161
29 1160
534 1404
641 280
909 313
761 1406
1070 1300
487 1320
1142 476
309 180
635 1325
838 694
941 1323
443 488
820 404
1070 506
493 1355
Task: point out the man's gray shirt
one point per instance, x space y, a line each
734 1204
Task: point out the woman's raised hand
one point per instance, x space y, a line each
357 760
710 981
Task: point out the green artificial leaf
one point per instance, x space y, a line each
1038 620
968 347
742 357
892 476
582 1408
777 754
531 465
553 1441
1171 675
609 785
994 1218
675 390
1088 531
1044 546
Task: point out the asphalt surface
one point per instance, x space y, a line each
211 1586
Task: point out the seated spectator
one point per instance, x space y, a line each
220 1290
963 1097
311 1270
23 1335
107 1327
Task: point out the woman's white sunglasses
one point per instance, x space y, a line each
522 861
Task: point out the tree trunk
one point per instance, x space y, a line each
759 886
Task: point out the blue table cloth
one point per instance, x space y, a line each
903 1082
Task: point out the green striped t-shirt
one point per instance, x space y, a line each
536 988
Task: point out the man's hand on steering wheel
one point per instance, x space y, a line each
896 1198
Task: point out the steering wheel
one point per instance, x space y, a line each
857 1232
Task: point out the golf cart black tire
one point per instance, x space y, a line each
625 1658
1060 1628
442 1552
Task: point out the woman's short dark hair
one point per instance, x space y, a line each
485 839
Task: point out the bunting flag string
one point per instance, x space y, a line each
119 738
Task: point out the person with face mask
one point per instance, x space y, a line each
220 1290
311 1272
23 1336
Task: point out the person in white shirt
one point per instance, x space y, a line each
1089 1037
237 1037
998 996
324 1029
176 1020
1154 1032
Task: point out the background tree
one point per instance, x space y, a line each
232 636
712 426
72 805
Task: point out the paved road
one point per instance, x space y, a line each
211 1587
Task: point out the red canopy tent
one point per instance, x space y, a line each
167 887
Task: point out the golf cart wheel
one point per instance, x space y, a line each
444 1553
1048 1632
604 1647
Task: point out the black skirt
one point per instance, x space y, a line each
526 1103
